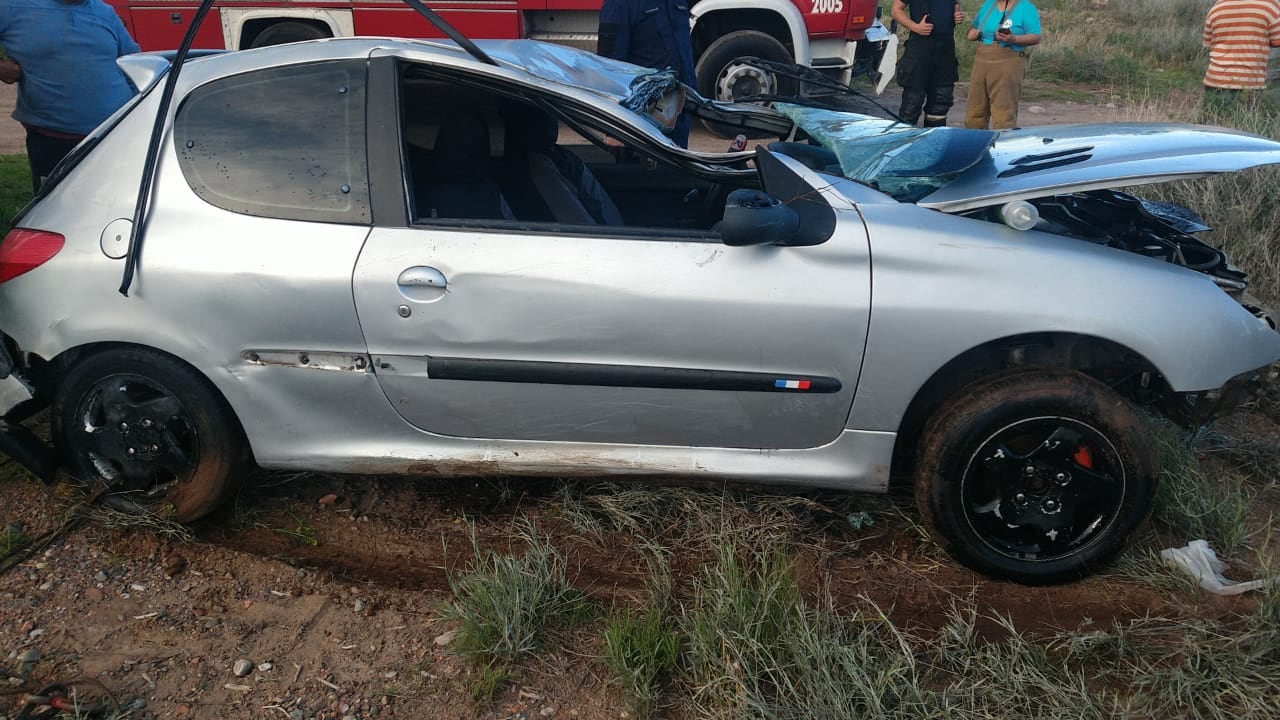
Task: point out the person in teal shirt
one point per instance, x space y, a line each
1005 30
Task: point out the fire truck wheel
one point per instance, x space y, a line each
286 32
721 77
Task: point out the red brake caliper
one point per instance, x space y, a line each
1083 458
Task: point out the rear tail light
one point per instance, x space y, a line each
25 250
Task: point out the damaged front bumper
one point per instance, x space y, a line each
18 402
1196 408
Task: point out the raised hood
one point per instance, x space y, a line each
1052 160
954 169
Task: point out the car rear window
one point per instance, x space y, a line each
284 142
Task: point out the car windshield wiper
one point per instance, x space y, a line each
166 98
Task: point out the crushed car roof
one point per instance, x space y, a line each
557 64
601 81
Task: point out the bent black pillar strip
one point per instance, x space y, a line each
153 149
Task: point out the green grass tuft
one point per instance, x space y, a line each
506 605
12 539
487 682
15 187
1129 47
641 650
1198 503
302 532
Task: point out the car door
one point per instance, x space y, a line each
544 336
528 331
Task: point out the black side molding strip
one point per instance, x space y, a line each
636 376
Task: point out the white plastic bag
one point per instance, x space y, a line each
1199 560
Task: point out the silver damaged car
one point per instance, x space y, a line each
381 256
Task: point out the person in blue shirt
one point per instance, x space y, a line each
928 70
62 54
654 34
1005 30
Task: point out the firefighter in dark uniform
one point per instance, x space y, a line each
654 34
928 70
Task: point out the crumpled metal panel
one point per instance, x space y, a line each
903 161
568 65
648 89
638 89
1179 218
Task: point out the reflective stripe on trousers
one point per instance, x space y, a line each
995 88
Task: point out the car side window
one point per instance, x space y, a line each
483 158
286 142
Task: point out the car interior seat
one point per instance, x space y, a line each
546 179
460 183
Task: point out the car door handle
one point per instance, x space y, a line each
422 284
422 276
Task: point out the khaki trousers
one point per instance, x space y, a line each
995 88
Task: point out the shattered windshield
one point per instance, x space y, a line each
897 159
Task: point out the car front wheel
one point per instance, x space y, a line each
1038 476
151 431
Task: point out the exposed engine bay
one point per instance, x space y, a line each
1146 227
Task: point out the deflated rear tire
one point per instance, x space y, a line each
151 431
1037 476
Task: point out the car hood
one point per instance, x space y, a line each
1032 163
954 169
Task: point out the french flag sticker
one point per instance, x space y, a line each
791 384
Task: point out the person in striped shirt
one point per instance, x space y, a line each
1239 35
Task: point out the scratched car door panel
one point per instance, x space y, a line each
554 336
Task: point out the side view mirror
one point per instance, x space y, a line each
752 217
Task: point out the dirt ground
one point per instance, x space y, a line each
331 588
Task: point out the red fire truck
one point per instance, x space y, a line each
828 35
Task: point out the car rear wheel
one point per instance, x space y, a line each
1038 476
287 32
721 76
149 430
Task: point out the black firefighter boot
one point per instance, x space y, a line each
912 104
941 98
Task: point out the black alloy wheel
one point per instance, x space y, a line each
1043 488
149 430
1039 476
